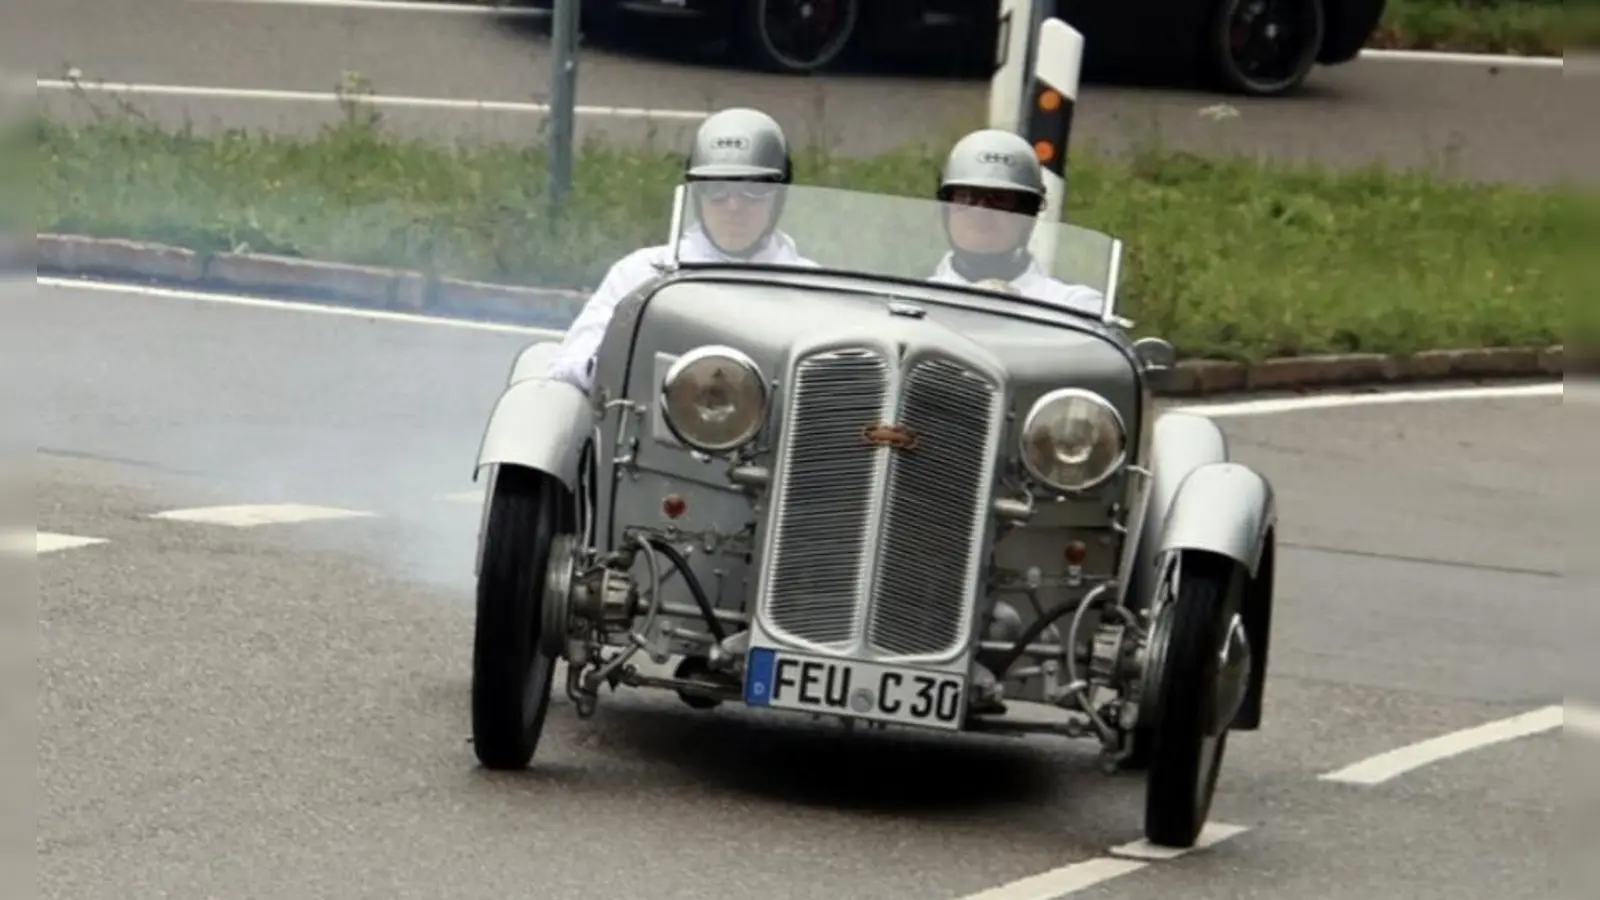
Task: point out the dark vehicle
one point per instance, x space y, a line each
1256 47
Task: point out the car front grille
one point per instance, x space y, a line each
871 539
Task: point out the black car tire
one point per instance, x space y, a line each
1291 64
511 676
1186 755
761 46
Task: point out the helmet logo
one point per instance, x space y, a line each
732 142
994 156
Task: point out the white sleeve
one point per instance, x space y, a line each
574 360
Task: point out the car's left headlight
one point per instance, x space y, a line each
714 399
1073 440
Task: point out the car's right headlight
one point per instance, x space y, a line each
1073 440
714 399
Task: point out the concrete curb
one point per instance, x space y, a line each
377 288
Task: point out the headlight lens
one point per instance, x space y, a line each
1072 440
714 399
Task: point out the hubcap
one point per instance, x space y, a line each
805 31
1268 39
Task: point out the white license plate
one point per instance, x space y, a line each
779 679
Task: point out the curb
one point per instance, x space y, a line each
372 287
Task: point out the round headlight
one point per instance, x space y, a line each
1073 440
714 399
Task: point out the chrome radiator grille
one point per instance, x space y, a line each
921 524
829 489
934 509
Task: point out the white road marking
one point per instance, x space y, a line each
1385 766
1079 876
38 543
319 309
1505 60
1213 833
381 100
469 9
1335 401
1241 408
261 514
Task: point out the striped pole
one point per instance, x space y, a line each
1057 69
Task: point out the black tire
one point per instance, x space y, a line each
1273 70
511 678
1187 750
762 42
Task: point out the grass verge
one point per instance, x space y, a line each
1228 259
1524 27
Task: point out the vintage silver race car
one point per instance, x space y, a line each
850 491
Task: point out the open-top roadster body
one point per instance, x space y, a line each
850 491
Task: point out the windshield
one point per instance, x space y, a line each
890 235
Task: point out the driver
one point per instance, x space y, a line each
746 152
992 169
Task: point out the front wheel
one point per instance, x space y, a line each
796 36
1263 48
511 675
1204 671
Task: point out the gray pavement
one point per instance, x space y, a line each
1474 121
281 711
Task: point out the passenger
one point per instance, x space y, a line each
998 170
732 222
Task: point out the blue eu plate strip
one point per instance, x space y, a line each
758 676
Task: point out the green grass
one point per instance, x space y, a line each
1226 258
1529 27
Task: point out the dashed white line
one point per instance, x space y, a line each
381 100
38 543
318 309
1079 876
260 514
1387 766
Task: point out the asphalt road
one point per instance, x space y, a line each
1525 125
280 711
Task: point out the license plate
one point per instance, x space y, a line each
846 687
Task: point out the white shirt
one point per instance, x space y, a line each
1034 283
573 361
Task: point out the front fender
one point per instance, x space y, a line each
1180 443
540 424
1221 507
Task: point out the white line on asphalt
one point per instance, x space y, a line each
1333 401
318 309
38 543
1079 876
446 103
259 514
469 9
1385 766
1241 408
1480 59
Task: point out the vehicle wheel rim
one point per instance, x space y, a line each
1270 40
806 33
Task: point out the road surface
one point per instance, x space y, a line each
1534 126
279 710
